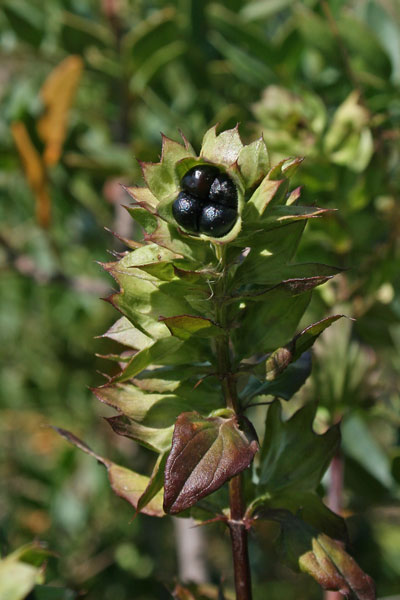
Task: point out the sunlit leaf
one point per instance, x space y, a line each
125 483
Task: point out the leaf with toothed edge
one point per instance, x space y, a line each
143 197
147 356
223 148
125 483
205 453
143 217
125 333
158 410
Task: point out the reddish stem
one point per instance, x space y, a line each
237 527
239 540
335 497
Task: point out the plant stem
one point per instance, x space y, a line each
237 528
239 540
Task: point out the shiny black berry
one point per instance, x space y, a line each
197 181
217 220
207 203
223 191
186 211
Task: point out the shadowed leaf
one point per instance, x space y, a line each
281 358
285 385
325 559
293 455
311 507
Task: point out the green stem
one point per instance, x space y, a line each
227 376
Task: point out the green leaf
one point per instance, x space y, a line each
307 504
143 197
161 180
293 456
285 385
131 486
156 439
125 333
307 550
223 149
125 483
281 358
253 162
277 215
262 197
155 485
276 249
145 218
172 152
268 325
151 354
157 410
186 326
194 249
205 453
297 278
306 338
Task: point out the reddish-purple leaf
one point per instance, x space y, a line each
205 453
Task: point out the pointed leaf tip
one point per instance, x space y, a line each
205 453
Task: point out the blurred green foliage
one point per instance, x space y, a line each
318 79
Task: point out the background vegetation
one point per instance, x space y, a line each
87 86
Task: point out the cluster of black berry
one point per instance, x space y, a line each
207 203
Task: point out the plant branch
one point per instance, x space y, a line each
237 527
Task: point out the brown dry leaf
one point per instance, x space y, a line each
57 93
35 172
